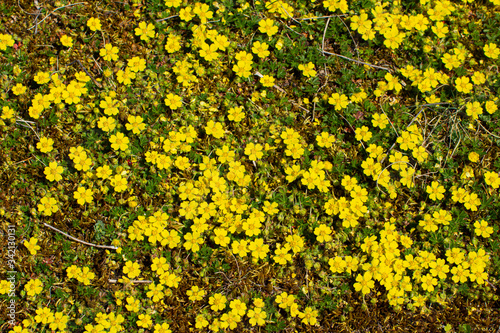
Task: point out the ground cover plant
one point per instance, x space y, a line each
261 166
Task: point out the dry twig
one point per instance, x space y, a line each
52 12
131 281
80 241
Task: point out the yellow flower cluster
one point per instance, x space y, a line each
55 321
80 158
184 70
281 8
244 64
59 93
424 80
83 275
349 211
292 140
104 322
430 222
391 25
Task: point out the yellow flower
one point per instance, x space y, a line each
126 76
260 49
132 269
201 322
5 41
236 114
270 208
257 316
491 107
428 282
19 89
363 134
267 26
240 247
44 315
420 154
33 287
53 172
307 69
482 229
284 300
478 78
309 316
135 124
66 40
359 96
492 179
471 201
5 286
107 124
460 274
325 140
339 101
473 157
254 151
45 144
31 245
474 109
323 233
7 113
144 321
380 120
463 84
162 328
432 99
203 12
209 52
173 101
119 183
281 255
173 3
155 292
186 14
279 44
195 294
217 302
491 51
215 129
85 276
440 29
173 43
119 141
392 82
267 81
83 195
221 237
109 52
73 271
133 304
60 322
435 191
258 248
333 5
192 241
42 77
94 24
47 206
145 31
